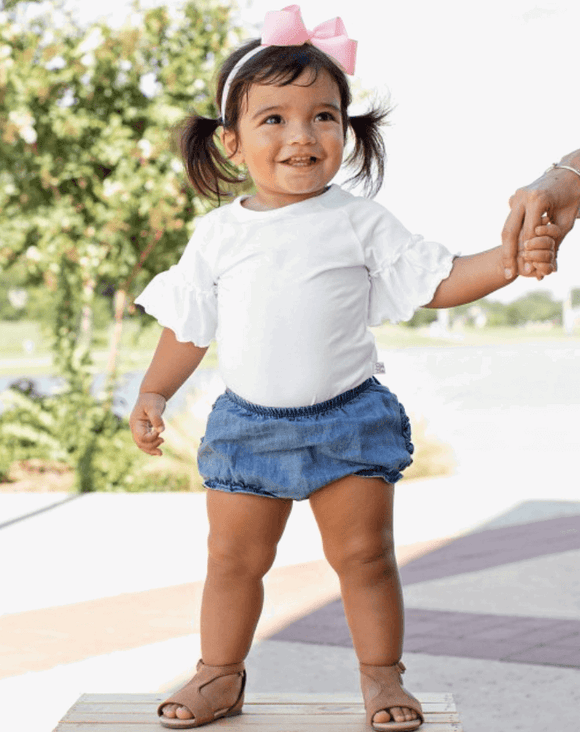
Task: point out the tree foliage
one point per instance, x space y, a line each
92 196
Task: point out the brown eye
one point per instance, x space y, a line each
326 117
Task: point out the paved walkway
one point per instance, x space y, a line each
454 605
104 596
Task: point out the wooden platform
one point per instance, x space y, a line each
262 712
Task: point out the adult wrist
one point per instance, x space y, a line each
568 169
572 159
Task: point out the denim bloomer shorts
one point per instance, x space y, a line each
292 452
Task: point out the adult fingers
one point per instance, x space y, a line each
510 237
535 214
565 220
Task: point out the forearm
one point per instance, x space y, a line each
471 278
572 159
569 178
172 364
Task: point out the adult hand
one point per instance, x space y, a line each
555 196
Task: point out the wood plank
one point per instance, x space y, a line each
262 721
80 712
231 726
262 712
262 698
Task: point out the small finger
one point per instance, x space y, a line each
151 449
548 230
539 242
545 268
150 437
540 255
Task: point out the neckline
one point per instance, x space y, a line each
290 208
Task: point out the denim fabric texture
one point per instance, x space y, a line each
292 452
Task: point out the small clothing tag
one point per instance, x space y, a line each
379 368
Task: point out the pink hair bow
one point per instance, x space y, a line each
286 28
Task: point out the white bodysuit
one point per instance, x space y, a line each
289 293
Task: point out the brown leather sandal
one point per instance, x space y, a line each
198 699
383 689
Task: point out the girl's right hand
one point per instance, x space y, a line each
146 422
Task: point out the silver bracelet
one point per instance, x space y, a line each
571 169
566 167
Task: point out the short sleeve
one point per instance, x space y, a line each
401 285
404 269
184 297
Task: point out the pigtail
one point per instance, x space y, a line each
205 165
368 156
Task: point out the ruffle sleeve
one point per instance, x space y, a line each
184 298
401 284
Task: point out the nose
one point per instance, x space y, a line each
301 133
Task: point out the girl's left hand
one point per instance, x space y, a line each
537 256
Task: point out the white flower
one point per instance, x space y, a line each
24 123
17 297
28 134
91 42
145 147
67 99
111 188
20 119
149 85
5 51
33 254
55 63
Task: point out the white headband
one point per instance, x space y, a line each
232 75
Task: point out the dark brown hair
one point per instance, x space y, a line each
208 169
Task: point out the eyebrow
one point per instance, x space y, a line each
278 107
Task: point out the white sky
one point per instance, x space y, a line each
486 99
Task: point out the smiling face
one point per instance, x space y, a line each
291 139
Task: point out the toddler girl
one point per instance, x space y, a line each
288 280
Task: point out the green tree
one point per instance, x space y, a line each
92 197
536 306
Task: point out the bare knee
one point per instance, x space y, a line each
363 556
233 559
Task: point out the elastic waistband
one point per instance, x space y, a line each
309 411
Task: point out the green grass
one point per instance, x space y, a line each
137 346
392 336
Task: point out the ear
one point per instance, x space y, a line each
231 146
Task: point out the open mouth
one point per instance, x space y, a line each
302 161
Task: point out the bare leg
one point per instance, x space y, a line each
355 517
244 533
